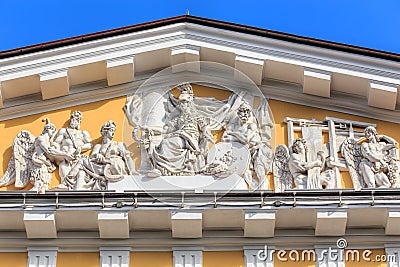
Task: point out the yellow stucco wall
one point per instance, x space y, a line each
13 259
96 114
223 259
78 259
210 259
290 258
151 259
374 258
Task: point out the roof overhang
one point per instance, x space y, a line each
292 69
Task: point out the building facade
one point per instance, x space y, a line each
191 142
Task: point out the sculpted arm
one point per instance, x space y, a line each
296 164
96 155
59 137
87 142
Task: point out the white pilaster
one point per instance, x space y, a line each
113 224
39 224
54 83
120 70
260 223
185 58
382 95
262 257
329 256
187 224
393 256
393 222
331 223
188 258
114 257
317 82
42 256
252 67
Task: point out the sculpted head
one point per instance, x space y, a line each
108 129
49 127
370 133
185 99
244 112
299 146
75 119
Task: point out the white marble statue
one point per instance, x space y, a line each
73 141
109 161
374 162
299 167
184 145
32 160
245 129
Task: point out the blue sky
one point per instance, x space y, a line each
369 23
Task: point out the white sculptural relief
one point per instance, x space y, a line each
245 129
294 167
182 147
34 159
109 161
73 141
373 161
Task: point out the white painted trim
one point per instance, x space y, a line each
188 258
42 257
114 258
393 252
262 257
188 34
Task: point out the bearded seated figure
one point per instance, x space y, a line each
183 148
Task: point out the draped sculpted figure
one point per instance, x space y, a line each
183 148
109 161
244 129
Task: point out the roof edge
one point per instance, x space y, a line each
205 22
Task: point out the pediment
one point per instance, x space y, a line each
229 70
